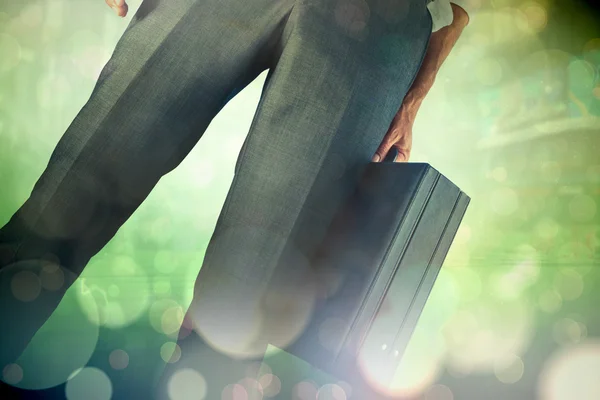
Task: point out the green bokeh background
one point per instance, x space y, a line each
512 120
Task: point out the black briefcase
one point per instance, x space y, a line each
381 258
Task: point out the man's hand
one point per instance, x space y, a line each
399 134
120 6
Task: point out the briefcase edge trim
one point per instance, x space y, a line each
432 271
367 317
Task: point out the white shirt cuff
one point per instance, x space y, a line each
441 14
465 4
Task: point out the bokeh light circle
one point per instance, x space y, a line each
63 342
572 373
305 390
419 366
499 174
118 359
463 234
547 228
458 256
421 361
11 53
114 291
170 352
26 286
171 320
591 50
569 283
234 391
165 261
52 276
187 384
544 63
86 381
510 369
582 208
346 387
271 385
331 391
161 286
88 53
488 71
567 331
253 388
536 15
582 76
330 281
504 201
12 374
508 25
352 16
438 392
550 301
159 230
120 276
166 317
258 369
32 15
330 331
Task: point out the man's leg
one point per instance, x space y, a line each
328 101
171 72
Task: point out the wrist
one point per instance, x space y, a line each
415 97
409 109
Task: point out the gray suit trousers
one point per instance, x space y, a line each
338 71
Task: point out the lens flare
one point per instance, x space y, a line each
572 373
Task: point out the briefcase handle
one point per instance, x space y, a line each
391 155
